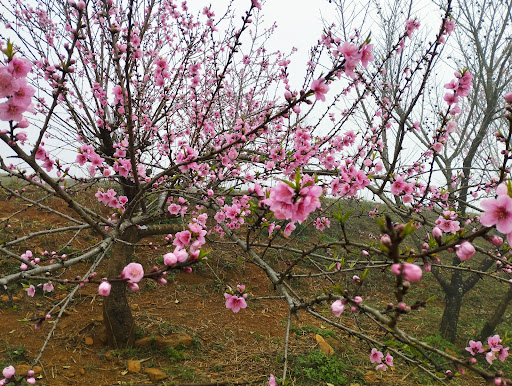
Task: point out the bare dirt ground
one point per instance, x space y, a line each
220 347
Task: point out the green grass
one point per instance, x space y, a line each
317 367
310 329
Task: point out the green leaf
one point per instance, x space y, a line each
408 229
203 253
381 222
290 184
297 179
365 273
9 50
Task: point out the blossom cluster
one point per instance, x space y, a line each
376 356
235 300
14 87
9 373
295 203
495 349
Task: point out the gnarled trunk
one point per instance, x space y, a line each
496 318
449 322
117 315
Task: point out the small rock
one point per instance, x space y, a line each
143 342
173 340
324 346
155 375
89 341
133 366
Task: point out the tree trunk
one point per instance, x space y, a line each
492 323
453 295
450 320
117 315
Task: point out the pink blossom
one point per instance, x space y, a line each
289 228
503 354
170 259
48 287
490 356
234 302
7 83
389 360
174 209
494 342
19 67
133 272
411 26
10 111
465 250
8 372
104 288
411 272
337 308
256 4
376 356
23 94
498 211
180 254
30 291
366 54
272 380
474 347
320 88
449 26
182 239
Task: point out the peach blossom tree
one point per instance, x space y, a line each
184 127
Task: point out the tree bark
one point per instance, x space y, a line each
453 297
117 315
493 322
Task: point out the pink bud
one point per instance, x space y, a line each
411 272
104 288
465 250
385 240
358 300
9 372
437 232
508 97
337 308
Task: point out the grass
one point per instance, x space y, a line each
310 329
316 367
